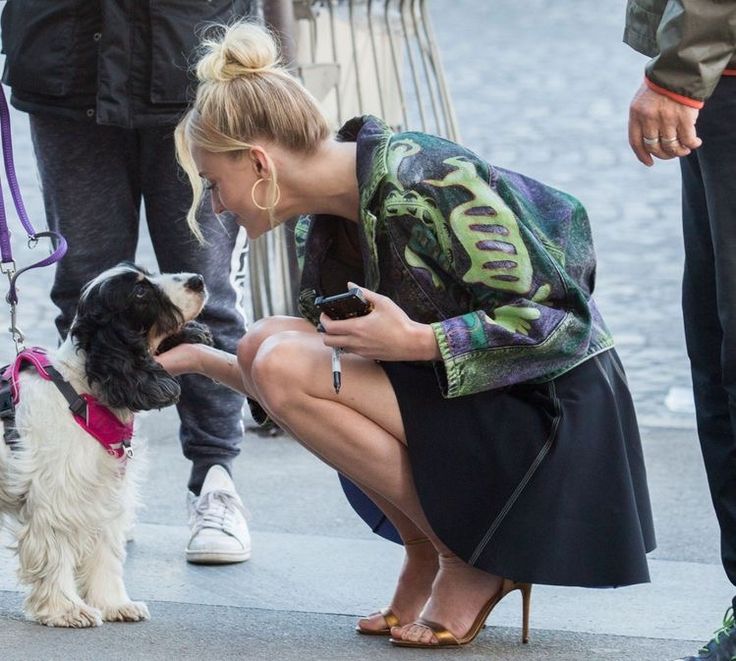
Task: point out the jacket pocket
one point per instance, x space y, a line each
38 40
176 28
642 20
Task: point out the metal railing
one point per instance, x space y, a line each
356 57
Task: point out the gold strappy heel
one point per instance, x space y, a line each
388 615
446 638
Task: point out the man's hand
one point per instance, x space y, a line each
661 127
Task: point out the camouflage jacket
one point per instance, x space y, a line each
500 265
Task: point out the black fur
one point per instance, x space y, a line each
192 332
115 319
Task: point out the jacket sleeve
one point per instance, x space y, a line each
696 40
529 318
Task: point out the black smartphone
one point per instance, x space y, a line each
351 303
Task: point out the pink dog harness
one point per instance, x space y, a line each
97 420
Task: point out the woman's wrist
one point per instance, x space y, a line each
425 342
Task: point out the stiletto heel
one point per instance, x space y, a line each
526 598
446 638
388 615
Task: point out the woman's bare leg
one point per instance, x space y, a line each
421 560
361 433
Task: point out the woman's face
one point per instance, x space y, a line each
230 178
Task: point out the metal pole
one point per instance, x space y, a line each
279 16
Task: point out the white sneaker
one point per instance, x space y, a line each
217 521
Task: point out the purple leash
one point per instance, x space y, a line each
7 264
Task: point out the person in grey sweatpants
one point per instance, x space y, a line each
97 210
104 83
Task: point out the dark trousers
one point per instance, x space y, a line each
709 301
94 179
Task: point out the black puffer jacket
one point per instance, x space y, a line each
119 62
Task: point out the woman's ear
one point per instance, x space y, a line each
260 161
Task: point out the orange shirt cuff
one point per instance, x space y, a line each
684 100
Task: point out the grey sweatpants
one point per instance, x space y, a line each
94 178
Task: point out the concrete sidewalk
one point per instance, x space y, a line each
315 567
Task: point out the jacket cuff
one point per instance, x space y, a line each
679 98
450 382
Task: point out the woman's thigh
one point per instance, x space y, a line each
292 362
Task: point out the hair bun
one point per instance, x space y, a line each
242 49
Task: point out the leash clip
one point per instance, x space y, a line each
9 269
128 450
15 332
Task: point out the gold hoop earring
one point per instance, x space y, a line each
253 195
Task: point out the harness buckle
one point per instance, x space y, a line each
7 411
8 267
128 451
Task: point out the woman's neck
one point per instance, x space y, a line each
323 182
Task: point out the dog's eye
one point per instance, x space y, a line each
140 291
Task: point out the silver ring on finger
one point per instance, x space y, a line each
650 141
669 141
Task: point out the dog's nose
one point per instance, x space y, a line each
195 283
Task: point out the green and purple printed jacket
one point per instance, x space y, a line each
500 265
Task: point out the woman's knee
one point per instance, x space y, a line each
260 331
277 371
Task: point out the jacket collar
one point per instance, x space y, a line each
371 136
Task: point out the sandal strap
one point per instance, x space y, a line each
390 617
443 636
418 540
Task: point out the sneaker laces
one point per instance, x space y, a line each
724 630
216 509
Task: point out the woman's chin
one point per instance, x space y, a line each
254 232
256 229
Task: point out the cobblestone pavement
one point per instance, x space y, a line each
543 89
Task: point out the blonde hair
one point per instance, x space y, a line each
244 93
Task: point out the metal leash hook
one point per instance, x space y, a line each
18 338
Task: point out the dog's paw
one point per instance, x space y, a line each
133 611
78 616
192 332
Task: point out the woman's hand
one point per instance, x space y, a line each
182 359
385 333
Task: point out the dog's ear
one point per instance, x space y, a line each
123 374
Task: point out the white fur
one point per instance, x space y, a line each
71 502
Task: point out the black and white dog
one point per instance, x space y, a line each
71 494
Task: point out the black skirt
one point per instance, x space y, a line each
540 483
